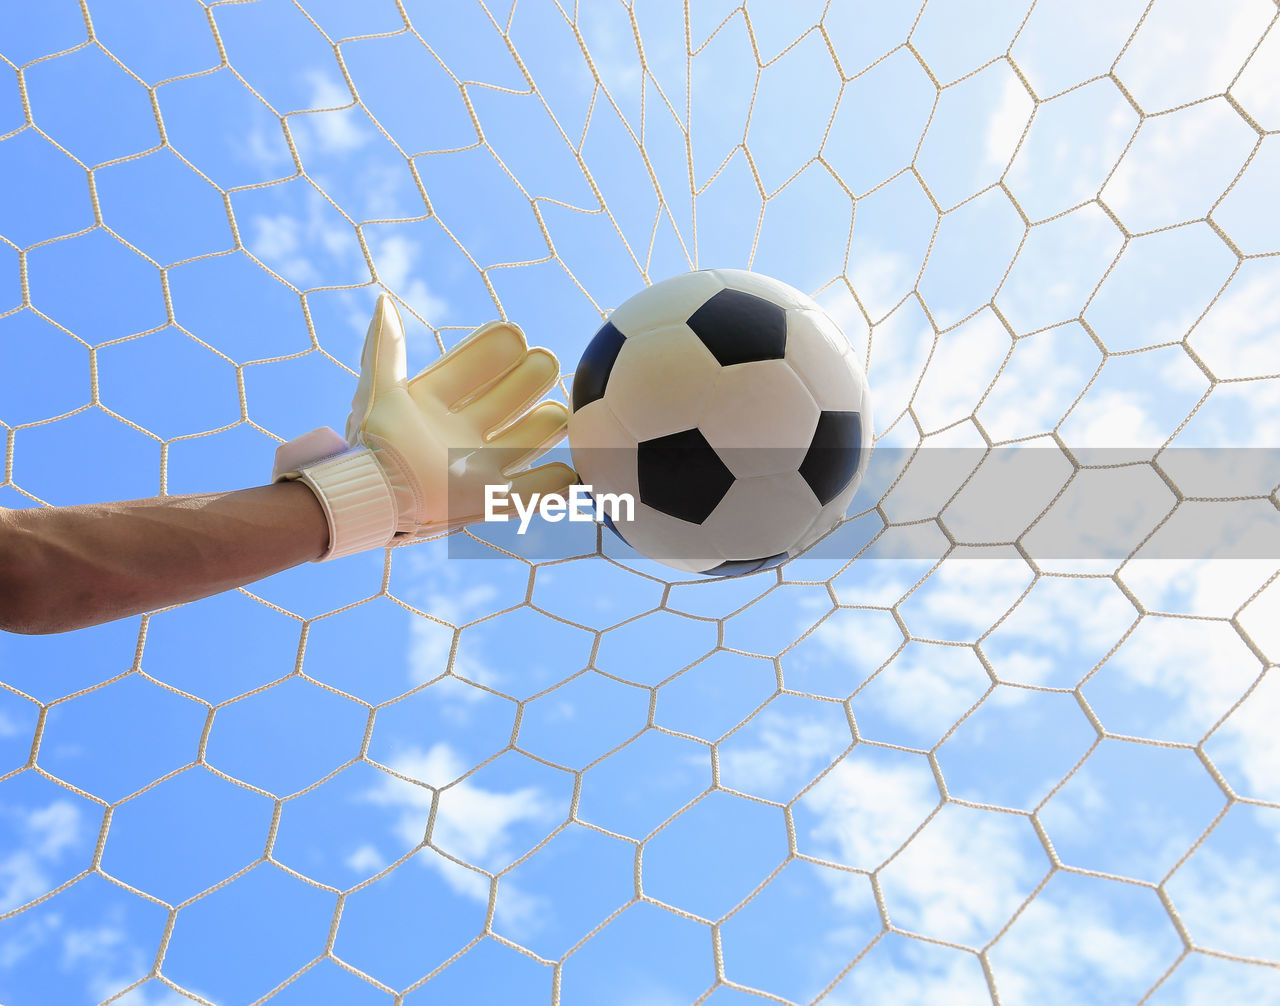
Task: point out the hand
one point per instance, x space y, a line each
419 453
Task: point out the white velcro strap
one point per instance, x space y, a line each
305 450
357 502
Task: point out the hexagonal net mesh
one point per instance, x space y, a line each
938 758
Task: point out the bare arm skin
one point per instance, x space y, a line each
64 568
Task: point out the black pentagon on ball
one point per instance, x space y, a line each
832 458
681 475
741 328
592 375
741 567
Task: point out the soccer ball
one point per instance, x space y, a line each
731 408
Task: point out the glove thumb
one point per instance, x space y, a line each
382 364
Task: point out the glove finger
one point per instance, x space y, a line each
533 434
512 394
382 361
484 355
552 478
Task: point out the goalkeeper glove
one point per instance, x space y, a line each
418 453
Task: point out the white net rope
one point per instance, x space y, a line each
1050 179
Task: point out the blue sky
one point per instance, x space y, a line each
926 773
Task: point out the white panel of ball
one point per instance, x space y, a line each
760 418
661 382
811 348
762 516
671 300
670 540
604 452
763 286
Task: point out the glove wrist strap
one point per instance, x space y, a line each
357 499
406 500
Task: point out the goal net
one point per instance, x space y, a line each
1006 735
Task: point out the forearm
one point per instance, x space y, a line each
69 567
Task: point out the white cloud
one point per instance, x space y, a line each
1039 383
1058 632
277 240
965 595
472 823
1201 978
1135 402
1186 49
973 132
446 593
46 833
115 963
1114 418
1261 619
366 860
28 936
396 257
1228 892
276 236
1067 41
785 747
840 635
91 944
1008 119
920 694
1244 414
882 278
964 875
517 913
1237 337
309 246
1057 269
918 972
103 956
1102 516
1007 492
900 347
866 807
429 648
429 653
965 361
882 576
1247 746
335 131
1258 88
436 767
1072 145
1213 587
1191 673
931 477
53 828
1178 165
1023 668
266 151
1069 946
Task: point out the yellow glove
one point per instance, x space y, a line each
419 453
